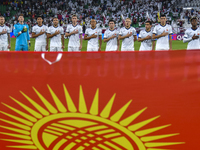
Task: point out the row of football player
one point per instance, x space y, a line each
161 32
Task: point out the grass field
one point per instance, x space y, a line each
176 45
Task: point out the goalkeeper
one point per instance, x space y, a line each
21 32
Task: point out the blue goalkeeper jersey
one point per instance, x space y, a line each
23 38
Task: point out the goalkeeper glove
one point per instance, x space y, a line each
24 29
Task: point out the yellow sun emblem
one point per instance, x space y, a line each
58 128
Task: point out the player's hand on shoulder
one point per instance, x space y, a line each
195 37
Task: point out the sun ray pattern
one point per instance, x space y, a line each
70 104
95 105
22 129
37 106
116 117
31 111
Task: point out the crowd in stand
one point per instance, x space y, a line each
101 10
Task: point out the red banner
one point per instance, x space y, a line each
100 101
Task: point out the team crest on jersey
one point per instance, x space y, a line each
166 29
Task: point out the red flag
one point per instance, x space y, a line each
128 101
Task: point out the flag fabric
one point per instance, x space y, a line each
121 100
158 14
123 19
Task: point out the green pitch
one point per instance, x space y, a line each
176 45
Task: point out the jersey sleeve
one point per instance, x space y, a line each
134 32
48 30
120 32
100 32
105 35
86 32
28 36
8 30
67 30
155 30
186 37
140 34
170 30
62 31
80 30
33 30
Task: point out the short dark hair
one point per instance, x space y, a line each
193 18
93 19
149 22
2 17
55 18
21 15
162 15
111 20
39 17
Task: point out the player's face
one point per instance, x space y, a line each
194 22
111 25
21 19
93 23
128 23
74 20
2 20
55 21
163 20
147 26
39 20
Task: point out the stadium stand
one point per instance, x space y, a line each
178 12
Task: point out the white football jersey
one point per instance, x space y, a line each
56 40
127 43
40 40
74 40
112 43
4 37
163 42
192 44
94 42
146 44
